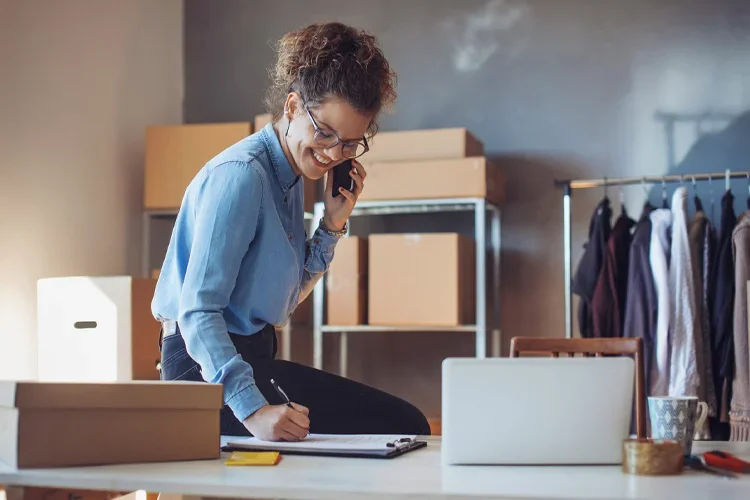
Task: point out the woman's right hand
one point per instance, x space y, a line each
279 423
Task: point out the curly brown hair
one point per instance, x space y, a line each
332 59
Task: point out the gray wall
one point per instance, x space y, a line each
554 89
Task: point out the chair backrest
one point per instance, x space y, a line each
593 347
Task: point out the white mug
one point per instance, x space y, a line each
675 418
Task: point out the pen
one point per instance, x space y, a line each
282 393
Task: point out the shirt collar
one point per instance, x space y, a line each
284 172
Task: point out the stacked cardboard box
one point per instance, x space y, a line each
425 164
176 153
416 279
60 424
421 279
346 283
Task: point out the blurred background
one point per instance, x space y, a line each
557 89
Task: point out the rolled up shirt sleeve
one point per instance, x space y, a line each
227 211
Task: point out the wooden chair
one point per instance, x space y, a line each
593 347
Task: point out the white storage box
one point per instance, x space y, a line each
97 329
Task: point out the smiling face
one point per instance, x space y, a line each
334 117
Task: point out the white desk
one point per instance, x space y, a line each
416 475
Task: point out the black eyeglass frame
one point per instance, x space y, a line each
319 131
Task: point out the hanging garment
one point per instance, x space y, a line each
702 253
608 302
684 377
590 265
739 415
661 225
722 308
641 302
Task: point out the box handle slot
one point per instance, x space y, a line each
84 325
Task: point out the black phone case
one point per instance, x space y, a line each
341 177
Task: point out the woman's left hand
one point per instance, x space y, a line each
339 209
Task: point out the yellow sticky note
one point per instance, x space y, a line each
254 458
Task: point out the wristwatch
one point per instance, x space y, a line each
331 232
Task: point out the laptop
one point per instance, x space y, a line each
540 411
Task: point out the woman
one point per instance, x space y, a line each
239 261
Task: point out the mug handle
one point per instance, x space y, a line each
703 415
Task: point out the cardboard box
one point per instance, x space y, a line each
433 144
421 279
45 424
346 283
303 314
261 121
312 193
473 177
176 153
39 493
97 329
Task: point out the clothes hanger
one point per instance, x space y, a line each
711 194
647 206
606 189
623 210
664 193
727 181
696 198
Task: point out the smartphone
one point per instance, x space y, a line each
341 177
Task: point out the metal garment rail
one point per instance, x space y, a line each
569 185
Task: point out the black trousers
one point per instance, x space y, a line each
337 405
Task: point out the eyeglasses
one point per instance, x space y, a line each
327 140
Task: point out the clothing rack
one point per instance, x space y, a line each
569 185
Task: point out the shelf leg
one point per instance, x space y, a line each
480 236
146 246
567 264
318 292
496 242
343 353
286 341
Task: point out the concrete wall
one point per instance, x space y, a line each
80 80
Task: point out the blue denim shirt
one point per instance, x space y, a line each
239 259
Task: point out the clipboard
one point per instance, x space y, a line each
329 445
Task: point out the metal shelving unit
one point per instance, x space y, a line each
485 239
170 214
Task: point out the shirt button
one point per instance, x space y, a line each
289 235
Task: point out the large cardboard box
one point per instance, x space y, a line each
474 177
421 279
431 144
50 424
97 329
303 314
40 493
175 153
346 283
312 193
